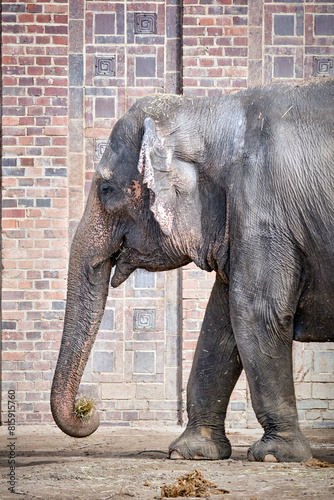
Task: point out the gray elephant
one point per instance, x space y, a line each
241 184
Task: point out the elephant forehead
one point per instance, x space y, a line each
104 172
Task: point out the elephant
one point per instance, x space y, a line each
243 185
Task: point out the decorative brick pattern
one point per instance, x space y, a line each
145 24
105 66
71 68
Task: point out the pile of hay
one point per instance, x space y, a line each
190 485
314 462
84 407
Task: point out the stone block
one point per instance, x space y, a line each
324 25
303 391
118 391
283 67
103 361
313 415
238 405
144 362
322 391
104 24
75 136
76 32
309 404
75 69
76 103
284 25
324 362
145 67
104 107
144 279
172 384
76 9
107 322
151 392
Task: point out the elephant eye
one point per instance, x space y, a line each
105 188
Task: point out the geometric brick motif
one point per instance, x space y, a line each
105 66
144 319
323 67
145 24
100 146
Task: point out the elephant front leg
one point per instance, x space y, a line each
262 312
215 371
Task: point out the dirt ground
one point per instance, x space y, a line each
123 463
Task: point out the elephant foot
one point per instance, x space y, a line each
282 447
201 443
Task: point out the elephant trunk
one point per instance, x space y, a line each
86 297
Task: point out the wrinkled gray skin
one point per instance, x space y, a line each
242 185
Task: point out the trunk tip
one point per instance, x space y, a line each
75 422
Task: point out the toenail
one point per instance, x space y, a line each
175 455
270 458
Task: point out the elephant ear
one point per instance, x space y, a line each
155 167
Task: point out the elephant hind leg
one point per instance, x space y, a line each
215 371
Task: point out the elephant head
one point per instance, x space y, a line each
143 211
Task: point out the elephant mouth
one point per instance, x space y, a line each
122 265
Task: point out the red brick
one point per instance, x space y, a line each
35 28
43 18
35 71
207 21
26 18
60 40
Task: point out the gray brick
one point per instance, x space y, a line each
103 362
324 362
77 9
9 162
150 392
76 69
144 362
309 404
13 172
144 279
75 136
238 405
44 202
107 322
58 305
56 172
76 103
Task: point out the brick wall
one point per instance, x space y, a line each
70 70
35 197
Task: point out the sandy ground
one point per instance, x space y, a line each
122 463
